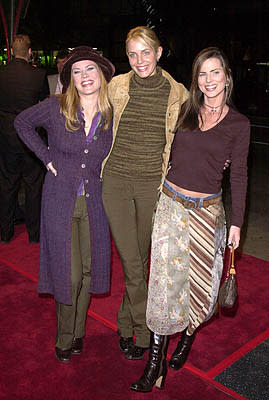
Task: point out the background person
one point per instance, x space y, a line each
21 86
189 234
146 102
55 83
75 238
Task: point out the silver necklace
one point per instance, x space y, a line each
213 109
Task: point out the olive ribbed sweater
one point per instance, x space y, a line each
137 151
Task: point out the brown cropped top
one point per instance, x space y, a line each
198 157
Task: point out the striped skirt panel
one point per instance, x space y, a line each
186 265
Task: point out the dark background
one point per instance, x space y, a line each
239 27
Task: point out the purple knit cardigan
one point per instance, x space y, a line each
74 160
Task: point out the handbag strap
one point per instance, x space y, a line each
231 269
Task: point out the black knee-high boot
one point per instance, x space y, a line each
156 368
180 355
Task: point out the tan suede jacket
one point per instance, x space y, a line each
118 90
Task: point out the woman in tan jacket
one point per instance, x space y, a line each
146 103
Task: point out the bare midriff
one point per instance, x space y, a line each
188 192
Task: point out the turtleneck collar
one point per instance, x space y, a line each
151 82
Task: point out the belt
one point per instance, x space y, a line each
191 203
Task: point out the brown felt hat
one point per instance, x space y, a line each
85 53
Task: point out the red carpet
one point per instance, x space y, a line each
29 369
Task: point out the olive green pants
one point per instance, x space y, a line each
71 319
129 206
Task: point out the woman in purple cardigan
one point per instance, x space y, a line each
74 237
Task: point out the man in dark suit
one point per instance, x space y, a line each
21 86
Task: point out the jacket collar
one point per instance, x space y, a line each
174 93
19 60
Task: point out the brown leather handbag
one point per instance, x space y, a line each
228 290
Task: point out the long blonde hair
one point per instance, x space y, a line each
69 103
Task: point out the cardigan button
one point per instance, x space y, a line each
87 195
86 151
83 166
86 181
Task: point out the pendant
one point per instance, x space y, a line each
214 109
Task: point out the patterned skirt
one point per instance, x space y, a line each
187 255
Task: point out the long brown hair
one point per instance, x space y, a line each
190 110
69 103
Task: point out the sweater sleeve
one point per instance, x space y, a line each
238 174
26 123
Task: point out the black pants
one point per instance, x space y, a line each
13 168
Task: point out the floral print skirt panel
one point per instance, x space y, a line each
186 265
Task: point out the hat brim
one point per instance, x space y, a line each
85 53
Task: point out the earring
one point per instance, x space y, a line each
227 84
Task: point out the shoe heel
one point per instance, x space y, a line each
160 382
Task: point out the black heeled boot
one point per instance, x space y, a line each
156 368
180 355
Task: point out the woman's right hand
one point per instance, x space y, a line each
51 168
234 236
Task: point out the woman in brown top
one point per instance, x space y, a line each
189 234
